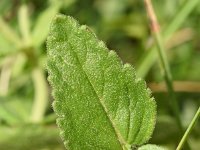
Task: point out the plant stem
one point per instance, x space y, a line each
5 75
150 57
189 129
168 78
41 95
164 63
24 24
179 86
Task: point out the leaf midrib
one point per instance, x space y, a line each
117 133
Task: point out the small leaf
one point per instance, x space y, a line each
99 101
41 27
151 147
6 47
7 32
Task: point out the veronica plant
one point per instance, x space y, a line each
100 103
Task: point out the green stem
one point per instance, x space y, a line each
168 78
24 24
189 129
164 63
180 17
151 56
5 75
41 95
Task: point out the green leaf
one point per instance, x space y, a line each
99 101
14 110
9 34
41 27
6 47
151 147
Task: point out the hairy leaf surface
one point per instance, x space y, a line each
99 101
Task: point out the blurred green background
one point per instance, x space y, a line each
27 120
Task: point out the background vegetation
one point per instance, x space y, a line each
26 117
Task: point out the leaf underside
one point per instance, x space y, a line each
99 101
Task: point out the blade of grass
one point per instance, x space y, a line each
164 63
189 129
151 56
